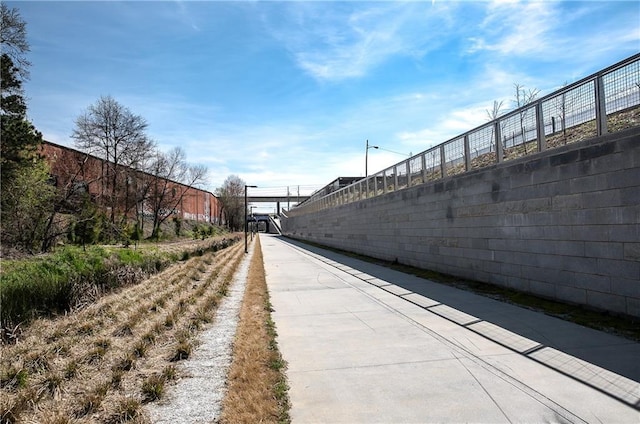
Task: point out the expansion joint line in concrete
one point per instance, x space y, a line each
484 389
491 368
541 398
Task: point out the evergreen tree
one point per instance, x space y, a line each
20 139
26 193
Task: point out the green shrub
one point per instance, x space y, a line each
177 225
136 233
87 226
129 257
57 282
53 284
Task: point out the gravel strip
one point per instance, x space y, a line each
198 397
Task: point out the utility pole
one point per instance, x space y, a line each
246 223
366 158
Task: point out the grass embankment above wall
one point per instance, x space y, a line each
73 277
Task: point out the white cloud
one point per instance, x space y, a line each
186 16
514 28
321 134
349 41
452 124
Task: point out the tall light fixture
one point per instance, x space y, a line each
246 223
366 159
253 222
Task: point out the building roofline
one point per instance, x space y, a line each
143 172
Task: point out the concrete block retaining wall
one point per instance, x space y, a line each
564 224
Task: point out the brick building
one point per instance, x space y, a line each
84 172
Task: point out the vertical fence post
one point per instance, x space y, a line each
498 136
601 110
443 168
408 168
384 181
375 185
423 158
395 177
542 141
467 153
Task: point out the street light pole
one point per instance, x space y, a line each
366 158
246 223
253 222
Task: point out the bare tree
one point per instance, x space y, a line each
564 105
72 196
231 195
112 132
13 39
172 177
494 114
522 98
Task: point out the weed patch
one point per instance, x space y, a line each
152 388
101 362
182 351
127 409
73 277
14 378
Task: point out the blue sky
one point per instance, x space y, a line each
286 93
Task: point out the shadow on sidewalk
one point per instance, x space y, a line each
557 342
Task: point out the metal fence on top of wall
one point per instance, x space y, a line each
607 101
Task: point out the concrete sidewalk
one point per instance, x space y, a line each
368 344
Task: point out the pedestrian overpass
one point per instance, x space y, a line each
278 200
263 222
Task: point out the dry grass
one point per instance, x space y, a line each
257 388
101 363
